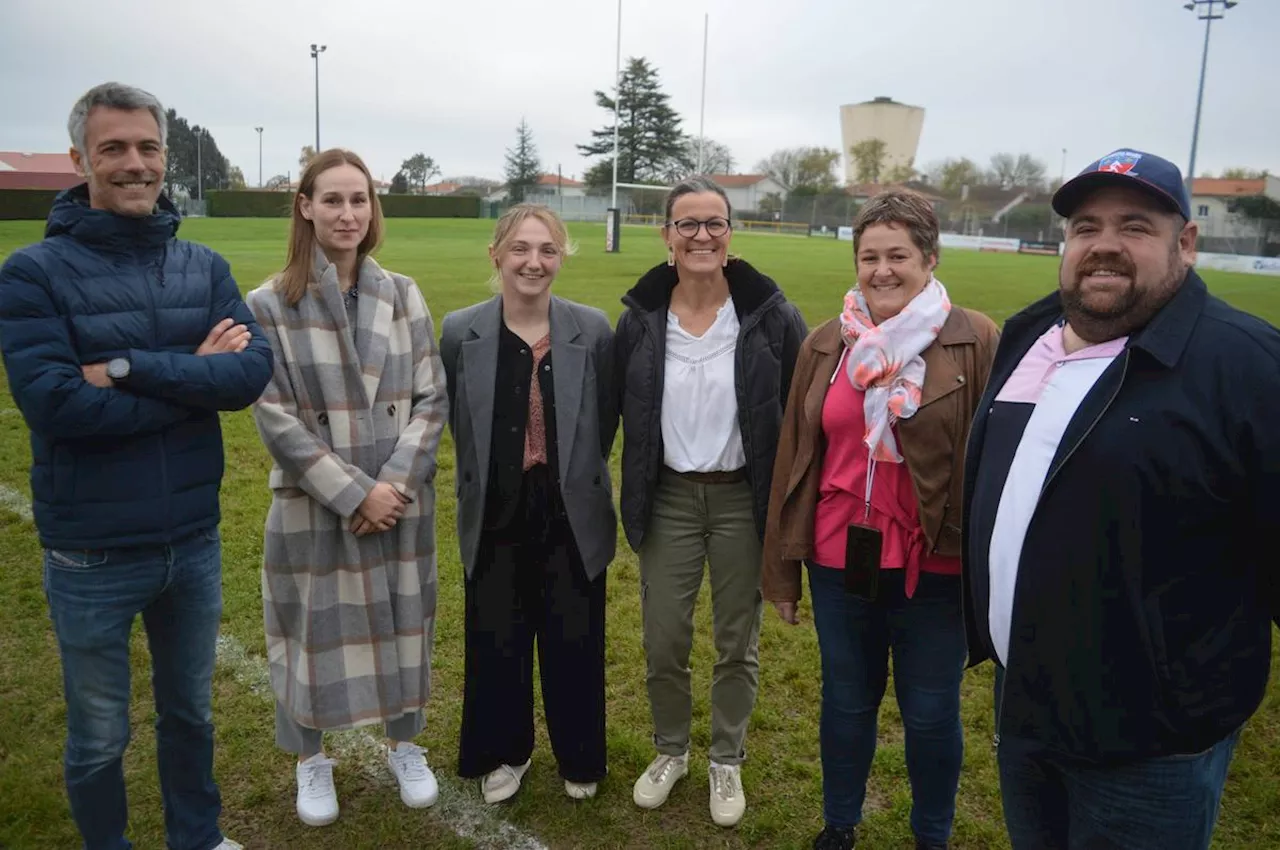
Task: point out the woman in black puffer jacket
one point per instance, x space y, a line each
704 355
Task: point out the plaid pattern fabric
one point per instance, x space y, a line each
350 621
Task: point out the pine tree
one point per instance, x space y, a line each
523 168
651 144
189 157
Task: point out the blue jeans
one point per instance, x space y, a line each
94 597
855 637
1168 803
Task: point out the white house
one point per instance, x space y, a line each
746 191
1211 202
548 188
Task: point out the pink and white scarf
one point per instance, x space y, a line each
884 362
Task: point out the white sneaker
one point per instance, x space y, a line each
317 799
418 788
728 802
654 785
503 783
580 790
228 844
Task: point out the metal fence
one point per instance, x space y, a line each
593 206
188 207
1263 242
824 214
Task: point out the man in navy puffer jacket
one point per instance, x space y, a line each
121 345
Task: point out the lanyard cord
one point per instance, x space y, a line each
871 462
871 477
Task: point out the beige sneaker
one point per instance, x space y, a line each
654 785
580 790
503 783
727 800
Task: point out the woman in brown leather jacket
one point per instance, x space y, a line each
867 494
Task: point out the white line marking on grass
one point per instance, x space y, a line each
15 502
457 806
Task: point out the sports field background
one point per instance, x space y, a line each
782 774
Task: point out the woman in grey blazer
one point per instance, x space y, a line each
533 423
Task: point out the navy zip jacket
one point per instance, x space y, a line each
139 463
1148 576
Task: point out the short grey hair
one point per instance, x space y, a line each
696 185
113 96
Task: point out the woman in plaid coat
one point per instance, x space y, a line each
352 419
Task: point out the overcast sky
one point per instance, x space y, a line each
453 79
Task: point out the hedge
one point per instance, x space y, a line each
428 206
262 204
26 204
34 204
247 204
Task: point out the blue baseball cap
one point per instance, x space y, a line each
1158 177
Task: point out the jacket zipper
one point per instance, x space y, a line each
1124 373
739 375
655 415
164 451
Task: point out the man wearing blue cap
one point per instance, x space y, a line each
1123 476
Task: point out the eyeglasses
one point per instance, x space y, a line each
689 227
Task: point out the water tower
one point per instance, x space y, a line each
896 124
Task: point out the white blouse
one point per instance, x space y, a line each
699 403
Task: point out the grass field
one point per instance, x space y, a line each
782 774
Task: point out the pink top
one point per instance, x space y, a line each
1045 358
842 495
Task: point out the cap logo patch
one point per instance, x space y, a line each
1120 162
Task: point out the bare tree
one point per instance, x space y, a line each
1017 171
716 157
868 158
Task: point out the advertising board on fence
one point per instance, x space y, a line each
978 243
1051 249
1222 262
1239 263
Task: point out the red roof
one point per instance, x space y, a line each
1216 187
20 170
441 188
737 181
553 180
37 163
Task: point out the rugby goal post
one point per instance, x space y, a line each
615 217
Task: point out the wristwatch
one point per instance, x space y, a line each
118 368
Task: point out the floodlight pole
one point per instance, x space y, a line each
316 50
1208 12
259 129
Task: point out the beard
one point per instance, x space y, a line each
1128 311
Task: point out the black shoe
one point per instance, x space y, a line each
925 845
836 838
